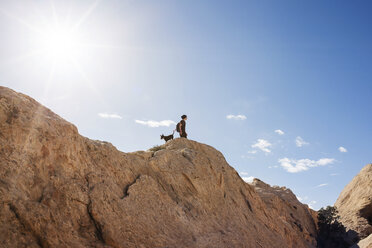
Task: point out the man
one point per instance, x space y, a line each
183 126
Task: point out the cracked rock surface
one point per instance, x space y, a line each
297 219
59 189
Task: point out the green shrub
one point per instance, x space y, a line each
156 148
331 232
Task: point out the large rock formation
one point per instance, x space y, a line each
355 206
285 205
59 189
355 203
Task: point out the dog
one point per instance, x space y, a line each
166 138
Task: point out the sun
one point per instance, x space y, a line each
57 36
60 42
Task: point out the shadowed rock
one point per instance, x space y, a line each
355 203
355 206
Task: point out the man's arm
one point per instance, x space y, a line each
180 128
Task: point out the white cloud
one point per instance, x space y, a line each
280 132
109 116
294 166
262 145
150 123
311 204
247 156
342 149
275 166
245 177
248 179
321 185
334 174
252 152
305 200
325 161
236 117
300 141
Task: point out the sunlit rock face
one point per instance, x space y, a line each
355 203
59 189
286 207
364 243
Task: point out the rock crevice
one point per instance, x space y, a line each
126 188
26 226
97 225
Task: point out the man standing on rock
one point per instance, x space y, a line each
181 127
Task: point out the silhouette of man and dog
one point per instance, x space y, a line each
180 128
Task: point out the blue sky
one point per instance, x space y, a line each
302 67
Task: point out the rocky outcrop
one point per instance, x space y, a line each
355 203
298 219
59 189
364 243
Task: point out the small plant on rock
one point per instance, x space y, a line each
156 148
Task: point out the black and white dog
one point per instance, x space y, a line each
166 138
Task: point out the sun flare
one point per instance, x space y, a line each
60 42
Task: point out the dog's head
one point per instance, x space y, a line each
162 136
